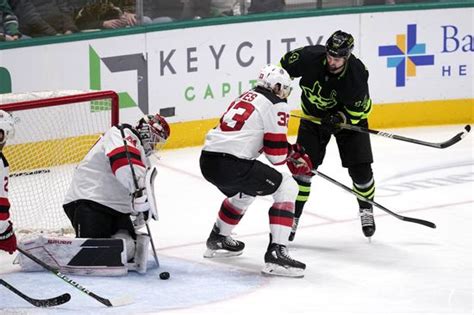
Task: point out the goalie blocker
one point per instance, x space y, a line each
85 256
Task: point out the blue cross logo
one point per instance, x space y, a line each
406 55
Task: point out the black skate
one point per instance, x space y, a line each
279 263
293 229
222 246
367 221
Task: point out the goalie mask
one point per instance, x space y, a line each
7 126
276 79
153 130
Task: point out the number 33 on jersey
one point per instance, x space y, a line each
255 122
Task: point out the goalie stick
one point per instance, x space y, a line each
138 192
408 219
107 302
438 145
55 301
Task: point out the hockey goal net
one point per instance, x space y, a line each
53 132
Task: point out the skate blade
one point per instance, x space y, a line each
277 270
217 253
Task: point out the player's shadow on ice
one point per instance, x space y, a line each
240 263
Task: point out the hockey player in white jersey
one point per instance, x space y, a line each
105 192
255 122
7 235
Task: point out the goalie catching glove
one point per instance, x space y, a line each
298 161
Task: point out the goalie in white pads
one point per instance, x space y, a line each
105 192
7 235
255 122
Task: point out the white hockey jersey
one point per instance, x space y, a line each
4 203
105 175
255 122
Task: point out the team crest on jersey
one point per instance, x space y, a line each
314 97
131 140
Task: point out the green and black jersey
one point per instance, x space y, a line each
324 92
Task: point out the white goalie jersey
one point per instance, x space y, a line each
255 123
105 176
4 202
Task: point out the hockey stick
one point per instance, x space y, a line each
138 192
408 219
438 145
55 301
152 245
107 302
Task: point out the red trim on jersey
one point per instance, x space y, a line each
275 144
124 162
4 202
118 157
4 216
122 149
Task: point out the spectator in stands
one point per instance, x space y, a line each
229 7
214 8
261 6
9 29
102 14
44 17
159 11
196 9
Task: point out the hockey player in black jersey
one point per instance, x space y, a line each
335 89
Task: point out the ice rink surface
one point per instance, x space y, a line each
406 269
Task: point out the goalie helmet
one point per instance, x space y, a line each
153 130
7 125
340 44
276 79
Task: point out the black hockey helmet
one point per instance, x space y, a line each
340 44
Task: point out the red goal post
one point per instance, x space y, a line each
54 130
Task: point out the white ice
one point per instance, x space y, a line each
407 268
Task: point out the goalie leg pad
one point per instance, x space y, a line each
141 254
78 256
129 242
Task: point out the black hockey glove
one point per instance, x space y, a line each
330 122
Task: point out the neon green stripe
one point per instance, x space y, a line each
304 188
302 198
366 193
355 114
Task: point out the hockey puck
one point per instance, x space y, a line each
164 275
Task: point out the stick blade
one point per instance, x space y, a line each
58 300
121 301
420 221
456 138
